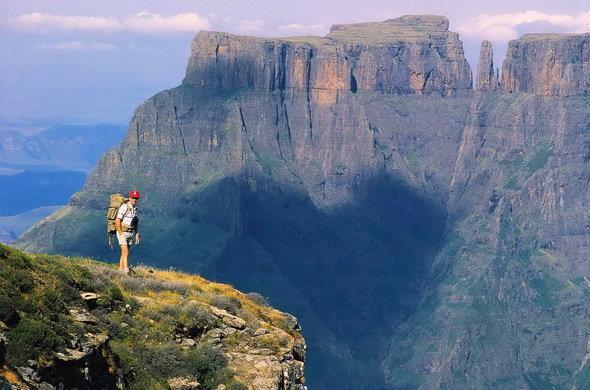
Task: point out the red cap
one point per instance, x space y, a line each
134 194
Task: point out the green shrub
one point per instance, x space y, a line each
115 294
197 319
170 310
16 258
231 304
207 363
30 339
133 368
18 279
235 385
8 313
162 360
68 293
257 299
143 285
151 313
82 275
115 329
52 302
148 365
60 273
271 342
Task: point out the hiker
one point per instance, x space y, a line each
127 231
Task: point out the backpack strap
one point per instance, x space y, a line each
109 241
126 211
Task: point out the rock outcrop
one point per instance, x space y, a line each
416 55
487 75
306 167
548 65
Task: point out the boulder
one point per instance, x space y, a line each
291 321
89 296
184 383
83 316
260 332
188 343
229 319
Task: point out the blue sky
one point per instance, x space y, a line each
72 61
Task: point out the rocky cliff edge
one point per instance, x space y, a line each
77 323
548 65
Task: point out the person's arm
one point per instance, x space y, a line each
137 238
120 216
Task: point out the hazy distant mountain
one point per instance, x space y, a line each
12 226
29 190
59 147
44 167
428 235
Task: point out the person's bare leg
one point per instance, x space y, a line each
123 261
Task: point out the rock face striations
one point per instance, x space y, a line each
548 65
487 76
409 55
426 235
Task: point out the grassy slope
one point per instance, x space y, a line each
141 315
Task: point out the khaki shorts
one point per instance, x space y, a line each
126 238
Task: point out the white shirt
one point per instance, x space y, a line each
131 213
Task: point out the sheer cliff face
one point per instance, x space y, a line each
548 65
425 234
509 307
407 55
319 113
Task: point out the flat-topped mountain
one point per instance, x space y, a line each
426 234
402 29
406 55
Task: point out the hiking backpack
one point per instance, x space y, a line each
115 201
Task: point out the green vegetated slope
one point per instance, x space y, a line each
142 331
509 301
